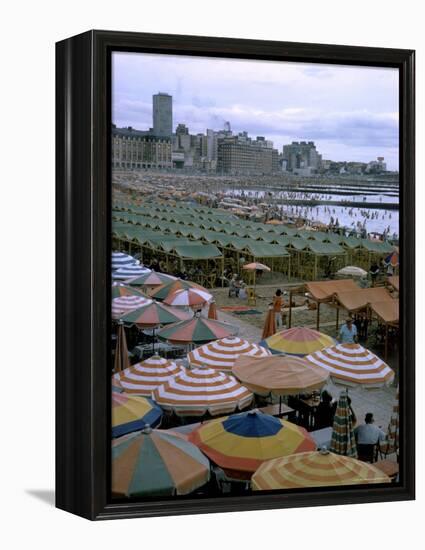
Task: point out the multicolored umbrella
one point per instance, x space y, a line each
129 272
191 297
197 330
125 304
222 354
393 259
269 324
393 428
240 443
165 290
343 441
153 315
279 375
121 360
156 463
142 378
153 279
131 413
297 341
353 365
199 391
121 289
212 311
120 259
314 469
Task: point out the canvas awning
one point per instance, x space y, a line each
388 311
394 281
360 298
323 291
197 251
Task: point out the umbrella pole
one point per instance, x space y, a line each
153 341
280 406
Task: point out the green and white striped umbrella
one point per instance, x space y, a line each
343 441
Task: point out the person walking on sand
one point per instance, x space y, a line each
277 308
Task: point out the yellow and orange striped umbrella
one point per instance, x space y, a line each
353 365
142 378
200 391
314 469
222 354
297 341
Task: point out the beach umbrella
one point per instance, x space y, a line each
353 365
154 314
121 289
254 267
120 259
156 463
212 311
393 259
297 341
197 330
125 304
343 441
161 292
199 391
191 297
279 375
393 428
314 469
240 443
129 272
269 324
132 412
351 271
121 360
142 378
152 279
222 354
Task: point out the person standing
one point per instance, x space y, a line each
277 308
348 332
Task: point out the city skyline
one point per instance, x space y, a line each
350 112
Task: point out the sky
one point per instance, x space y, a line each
351 113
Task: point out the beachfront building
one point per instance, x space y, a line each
243 155
135 150
302 157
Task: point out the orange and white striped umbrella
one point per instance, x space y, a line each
222 354
314 469
191 297
144 377
353 365
200 391
125 304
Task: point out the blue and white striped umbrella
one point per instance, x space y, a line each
120 259
130 271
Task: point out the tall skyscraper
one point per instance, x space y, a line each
162 115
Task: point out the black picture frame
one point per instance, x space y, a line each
83 271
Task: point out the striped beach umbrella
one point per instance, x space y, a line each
120 259
200 391
142 378
121 289
269 325
212 311
161 292
121 360
353 365
129 272
240 443
153 315
190 297
156 463
152 279
314 469
197 330
222 354
343 441
131 413
279 375
297 341
393 428
125 304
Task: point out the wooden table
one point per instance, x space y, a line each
273 410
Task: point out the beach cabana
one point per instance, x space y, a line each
315 469
156 463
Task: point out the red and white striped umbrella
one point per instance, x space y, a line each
190 297
222 354
200 391
125 304
144 377
353 365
